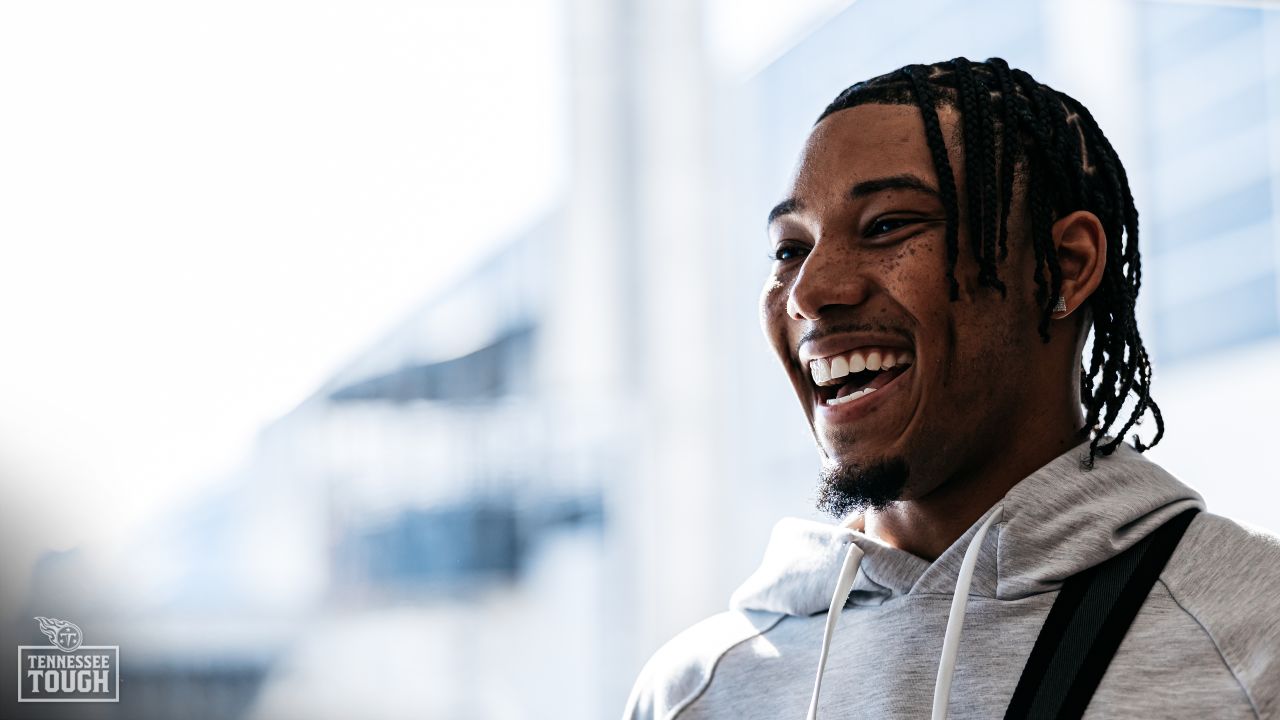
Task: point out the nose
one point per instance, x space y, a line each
829 277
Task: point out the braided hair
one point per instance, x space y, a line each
1012 124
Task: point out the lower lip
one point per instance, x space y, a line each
856 409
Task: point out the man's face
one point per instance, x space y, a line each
861 279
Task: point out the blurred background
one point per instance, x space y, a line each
400 359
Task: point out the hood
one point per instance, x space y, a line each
1058 521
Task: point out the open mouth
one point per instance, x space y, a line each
844 378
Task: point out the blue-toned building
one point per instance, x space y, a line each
1212 95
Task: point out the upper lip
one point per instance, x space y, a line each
841 343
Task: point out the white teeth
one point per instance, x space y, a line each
839 367
820 368
828 370
851 396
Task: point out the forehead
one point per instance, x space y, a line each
864 143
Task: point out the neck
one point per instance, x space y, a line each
926 526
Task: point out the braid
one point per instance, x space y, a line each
1135 371
1044 173
979 170
1053 142
1007 149
946 180
989 186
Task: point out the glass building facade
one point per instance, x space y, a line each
1210 92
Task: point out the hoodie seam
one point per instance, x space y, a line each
706 682
1247 696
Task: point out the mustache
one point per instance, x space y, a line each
822 331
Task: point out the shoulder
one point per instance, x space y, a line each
1220 557
681 669
1226 575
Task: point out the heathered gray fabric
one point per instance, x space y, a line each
1206 644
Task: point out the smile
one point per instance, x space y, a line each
850 376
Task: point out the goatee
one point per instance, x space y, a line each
845 488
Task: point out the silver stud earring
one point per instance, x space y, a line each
1061 306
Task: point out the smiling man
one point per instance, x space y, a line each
952 298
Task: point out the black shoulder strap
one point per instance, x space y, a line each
1084 628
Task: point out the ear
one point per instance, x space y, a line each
1081 244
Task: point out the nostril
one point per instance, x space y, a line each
795 308
806 302
824 283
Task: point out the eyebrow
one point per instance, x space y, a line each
893 182
861 190
786 207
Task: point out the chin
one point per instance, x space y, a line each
848 485
843 446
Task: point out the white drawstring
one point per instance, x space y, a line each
955 622
847 572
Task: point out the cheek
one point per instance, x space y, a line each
774 320
773 306
916 278
924 258
915 275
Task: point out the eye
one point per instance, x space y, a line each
788 251
884 226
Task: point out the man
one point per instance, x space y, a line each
952 234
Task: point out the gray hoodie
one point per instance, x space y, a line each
1206 643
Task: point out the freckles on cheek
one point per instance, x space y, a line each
894 262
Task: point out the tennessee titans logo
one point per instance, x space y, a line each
65 636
